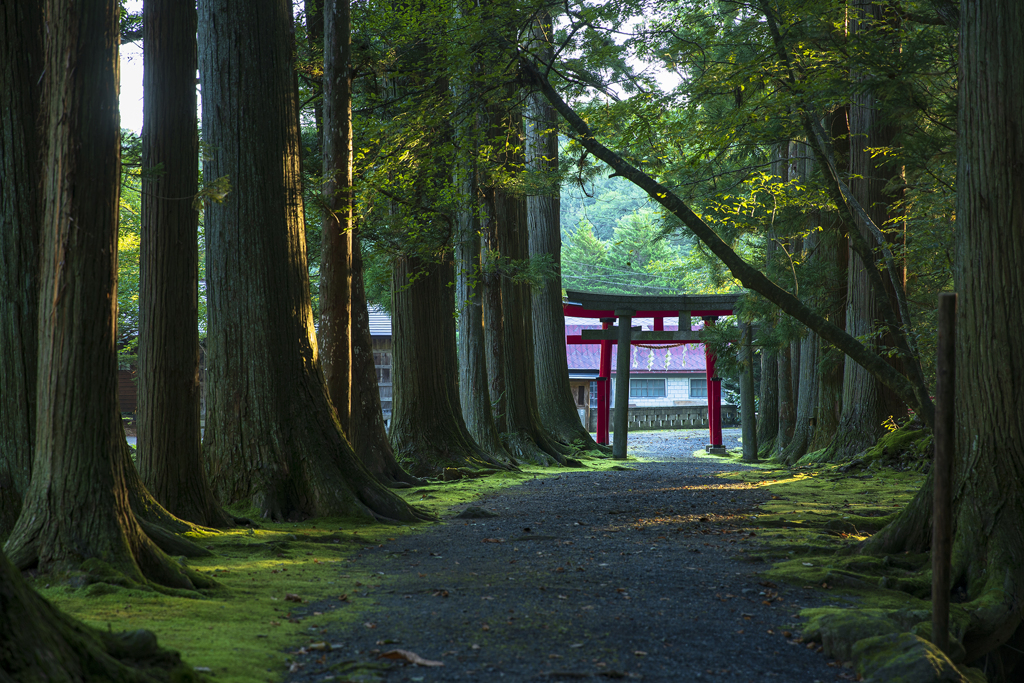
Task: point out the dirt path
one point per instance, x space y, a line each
634 574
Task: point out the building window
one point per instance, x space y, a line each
593 395
698 388
382 362
646 388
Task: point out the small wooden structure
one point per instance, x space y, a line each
611 307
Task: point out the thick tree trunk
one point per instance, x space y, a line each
367 432
867 403
474 387
428 433
806 400
768 404
76 510
272 437
335 331
988 503
492 308
169 452
787 406
21 69
554 397
525 438
42 644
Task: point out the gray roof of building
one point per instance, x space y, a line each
380 322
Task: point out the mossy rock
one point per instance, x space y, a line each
957 653
838 630
906 658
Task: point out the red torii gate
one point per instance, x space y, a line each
607 307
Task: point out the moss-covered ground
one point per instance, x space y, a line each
238 633
811 528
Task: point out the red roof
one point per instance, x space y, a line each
688 358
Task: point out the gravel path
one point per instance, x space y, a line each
634 574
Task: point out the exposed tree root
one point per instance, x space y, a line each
42 644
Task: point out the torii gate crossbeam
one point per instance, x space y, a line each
608 307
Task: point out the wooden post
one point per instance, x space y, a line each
749 424
622 383
942 470
604 391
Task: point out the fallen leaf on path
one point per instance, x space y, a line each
370 624
639 653
493 540
292 597
411 657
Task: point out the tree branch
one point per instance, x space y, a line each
747 274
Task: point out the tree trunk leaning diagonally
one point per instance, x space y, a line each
554 397
988 491
428 433
335 331
77 509
272 440
21 66
42 644
748 275
169 452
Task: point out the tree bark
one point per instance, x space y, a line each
76 510
554 397
867 403
428 433
21 69
367 432
474 387
525 438
169 451
336 309
988 492
42 644
273 438
768 405
786 400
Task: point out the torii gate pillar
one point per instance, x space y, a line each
715 446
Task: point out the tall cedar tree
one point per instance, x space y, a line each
169 450
474 385
428 432
508 312
988 490
867 403
342 292
77 508
21 65
554 397
335 330
273 439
